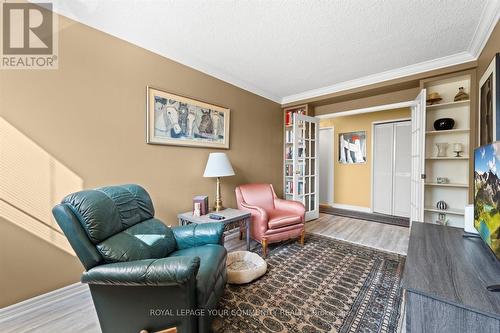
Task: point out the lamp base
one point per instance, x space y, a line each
218 198
218 206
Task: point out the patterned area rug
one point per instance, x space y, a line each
326 286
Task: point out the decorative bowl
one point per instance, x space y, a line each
444 124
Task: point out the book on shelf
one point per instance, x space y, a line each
289 116
300 188
300 169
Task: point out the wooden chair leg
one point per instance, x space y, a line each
241 234
264 248
302 236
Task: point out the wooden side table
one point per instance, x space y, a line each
234 218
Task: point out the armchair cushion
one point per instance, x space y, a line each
151 272
193 235
146 240
281 218
211 276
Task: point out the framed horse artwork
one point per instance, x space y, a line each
182 121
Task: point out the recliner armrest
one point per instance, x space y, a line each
193 235
170 271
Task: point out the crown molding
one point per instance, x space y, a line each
487 22
425 66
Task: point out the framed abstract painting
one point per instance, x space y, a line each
352 147
182 121
489 103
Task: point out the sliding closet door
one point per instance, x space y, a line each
383 151
402 169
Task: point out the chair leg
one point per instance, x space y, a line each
302 236
264 248
241 234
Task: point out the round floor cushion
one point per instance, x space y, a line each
244 267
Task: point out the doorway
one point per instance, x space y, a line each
326 166
391 173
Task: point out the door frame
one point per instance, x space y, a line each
374 123
332 171
413 104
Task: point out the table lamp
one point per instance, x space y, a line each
218 165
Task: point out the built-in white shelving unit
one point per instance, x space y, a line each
456 192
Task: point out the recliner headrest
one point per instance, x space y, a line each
108 210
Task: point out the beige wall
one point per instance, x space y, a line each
403 95
352 182
90 115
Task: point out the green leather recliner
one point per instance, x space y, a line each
141 273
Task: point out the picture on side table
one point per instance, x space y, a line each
182 121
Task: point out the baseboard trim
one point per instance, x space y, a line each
352 207
367 216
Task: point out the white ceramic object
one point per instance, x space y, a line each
244 267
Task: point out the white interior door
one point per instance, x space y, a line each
326 166
402 169
417 158
306 180
383 154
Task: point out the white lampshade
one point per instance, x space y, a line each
218 165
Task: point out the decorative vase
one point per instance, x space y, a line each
441 205
443 124
441 149
461 95
442 220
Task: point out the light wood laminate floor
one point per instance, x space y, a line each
70 309
381 236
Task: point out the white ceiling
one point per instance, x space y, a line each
291 50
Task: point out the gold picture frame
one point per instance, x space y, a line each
182 121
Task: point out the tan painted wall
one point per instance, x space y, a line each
369 101
90 115
352 183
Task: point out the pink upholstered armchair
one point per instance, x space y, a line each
273 219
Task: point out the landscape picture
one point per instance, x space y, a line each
178 120
487 195
352 147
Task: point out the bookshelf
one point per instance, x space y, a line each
456 191
300 167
